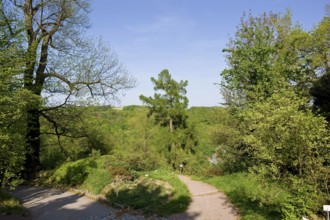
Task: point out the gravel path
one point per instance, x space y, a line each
207 203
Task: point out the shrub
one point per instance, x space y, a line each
10 205
90 174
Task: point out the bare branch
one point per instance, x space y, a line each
64 135
58 106
58 134
60 77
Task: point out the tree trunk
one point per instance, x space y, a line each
171 125
32 161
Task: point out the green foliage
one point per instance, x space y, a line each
51 156
90 174
180 195
267 55
73 173
272 66
321 94
169 108
159 193
283 142
170 104
13 104
9 205
256 199
58 61
120 179
73 133
144 195
205 121
128 164
259 198
282 136
134 139
98 177
320 46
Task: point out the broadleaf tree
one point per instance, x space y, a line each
272 67
59 60
320 90
267 55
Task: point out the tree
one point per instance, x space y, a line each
288 144
12 102
59 60
267 55
272 67
11 126
283 137
169 106
320 90
321 94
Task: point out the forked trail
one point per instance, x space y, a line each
52 204
207 203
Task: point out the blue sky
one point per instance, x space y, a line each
184 36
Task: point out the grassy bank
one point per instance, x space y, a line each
259 199
256 201
10 206
157 192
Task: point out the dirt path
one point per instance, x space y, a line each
207 203
53 204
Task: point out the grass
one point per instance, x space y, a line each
88 174
98 177
180 197
157 192
256 200
9 205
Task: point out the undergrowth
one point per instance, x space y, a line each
156 192
152 192
10 205
89 174
261 199
256 201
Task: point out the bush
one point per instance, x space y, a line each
283 141
262 199
90 174
126 163
10 205
51 157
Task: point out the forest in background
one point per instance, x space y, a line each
270 138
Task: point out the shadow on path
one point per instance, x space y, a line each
54 204
207 203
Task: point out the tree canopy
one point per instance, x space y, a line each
57 60
169 107
169 103
269 54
